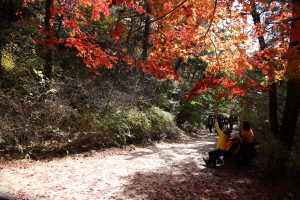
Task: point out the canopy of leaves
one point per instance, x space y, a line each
215 32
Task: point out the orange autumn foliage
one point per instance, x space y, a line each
216 32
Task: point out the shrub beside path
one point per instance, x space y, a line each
167 170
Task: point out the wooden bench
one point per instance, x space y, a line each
230 162
235 161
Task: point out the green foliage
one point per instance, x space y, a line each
138 126
7 61
191 112
275 161
165 91
197 111
162 123
18 144
124 124
70 115
274 156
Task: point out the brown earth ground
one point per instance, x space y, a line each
167 170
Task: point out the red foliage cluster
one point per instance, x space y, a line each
184 30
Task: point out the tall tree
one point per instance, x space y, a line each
212 31
49 34
292 105
274 127
146 33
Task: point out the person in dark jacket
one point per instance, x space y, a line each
220 121
231 122
210 123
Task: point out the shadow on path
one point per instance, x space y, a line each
167 170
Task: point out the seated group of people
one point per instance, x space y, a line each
242 145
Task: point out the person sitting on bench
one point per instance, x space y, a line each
231 149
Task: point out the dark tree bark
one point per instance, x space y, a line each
146 34
292 104
178 64
48 29
274 127
290 114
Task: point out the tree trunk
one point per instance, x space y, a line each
146 34
274 127
290 114
48 29
292 104
178 64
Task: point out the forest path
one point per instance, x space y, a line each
167 170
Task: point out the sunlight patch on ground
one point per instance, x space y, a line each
95 176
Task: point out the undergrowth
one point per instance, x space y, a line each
272 159
73 117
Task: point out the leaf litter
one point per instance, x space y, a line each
166 170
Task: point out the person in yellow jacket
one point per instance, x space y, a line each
222 139
223 136
233 146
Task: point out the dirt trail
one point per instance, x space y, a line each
162 171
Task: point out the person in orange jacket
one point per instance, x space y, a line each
250 142
247 132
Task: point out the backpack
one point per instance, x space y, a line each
234 145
